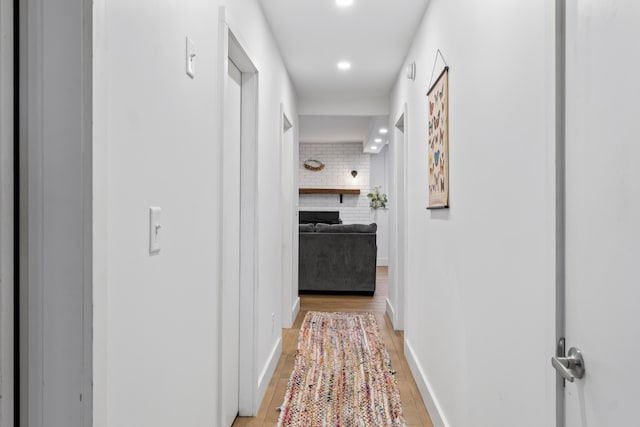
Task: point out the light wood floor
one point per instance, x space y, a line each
414 410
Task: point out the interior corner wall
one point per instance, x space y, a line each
156 339
481 273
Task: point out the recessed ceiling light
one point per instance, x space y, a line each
374 147
344 3
344 65
378 140
384 130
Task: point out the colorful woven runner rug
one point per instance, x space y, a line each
342 375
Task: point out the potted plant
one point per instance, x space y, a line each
377 199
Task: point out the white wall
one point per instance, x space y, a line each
379 176
155 136
155 141
480 275
339 159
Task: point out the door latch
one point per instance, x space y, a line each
571 366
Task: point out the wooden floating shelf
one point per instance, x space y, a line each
339 191
329 191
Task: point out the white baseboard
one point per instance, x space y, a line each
382 262
428 396
295 310
267 372
391 312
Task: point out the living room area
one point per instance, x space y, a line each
342 206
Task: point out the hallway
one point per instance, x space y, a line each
415 412
115 167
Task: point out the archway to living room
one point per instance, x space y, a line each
342 162
341 169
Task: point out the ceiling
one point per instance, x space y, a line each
345 129
334 128
314 35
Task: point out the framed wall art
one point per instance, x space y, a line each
438 141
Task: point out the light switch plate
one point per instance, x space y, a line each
191 55
155 230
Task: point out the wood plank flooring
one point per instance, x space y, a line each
414 410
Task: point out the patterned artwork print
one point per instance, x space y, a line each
438 140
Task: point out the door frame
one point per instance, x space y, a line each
232 46
560 201
229 244
398 266
290 302
55 147
7 206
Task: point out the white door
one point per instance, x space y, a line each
231 246
398 219
296 219
402 221
603 210
286 185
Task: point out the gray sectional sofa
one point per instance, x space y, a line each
337 259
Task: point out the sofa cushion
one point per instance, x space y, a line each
346 228
307 228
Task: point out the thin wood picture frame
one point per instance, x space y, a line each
438 142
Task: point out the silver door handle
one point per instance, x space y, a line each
570 367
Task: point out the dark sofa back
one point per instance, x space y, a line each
338 259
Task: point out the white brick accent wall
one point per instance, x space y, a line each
339 160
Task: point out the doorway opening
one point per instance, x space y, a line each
238 227
290 300
398 216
